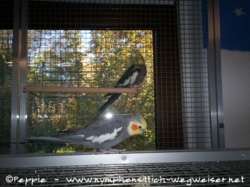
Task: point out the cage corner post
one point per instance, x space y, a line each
23 75
15 77
215 82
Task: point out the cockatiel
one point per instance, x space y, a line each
102 134
133 76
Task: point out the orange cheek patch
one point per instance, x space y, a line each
134 127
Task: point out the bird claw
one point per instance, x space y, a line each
112 151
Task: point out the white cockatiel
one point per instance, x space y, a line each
102 134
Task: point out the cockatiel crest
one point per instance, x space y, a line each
102 134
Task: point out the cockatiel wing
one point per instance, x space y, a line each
128 76
142 71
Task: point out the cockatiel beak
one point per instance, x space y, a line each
143 132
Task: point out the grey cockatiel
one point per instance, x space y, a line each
102 134
133 76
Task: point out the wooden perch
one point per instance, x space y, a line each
78 89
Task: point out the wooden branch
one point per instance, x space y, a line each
78 89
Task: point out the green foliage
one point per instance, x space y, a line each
5 106
5 91
99 63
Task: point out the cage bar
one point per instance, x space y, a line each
188 166
127 157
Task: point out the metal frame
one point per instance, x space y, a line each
214 67
148 2
47 160
23 75
15 78
19 77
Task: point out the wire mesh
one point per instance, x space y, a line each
5 88
80 64
195 98
90 44
162 174
6 35
6 15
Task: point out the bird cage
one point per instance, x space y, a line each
67 55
